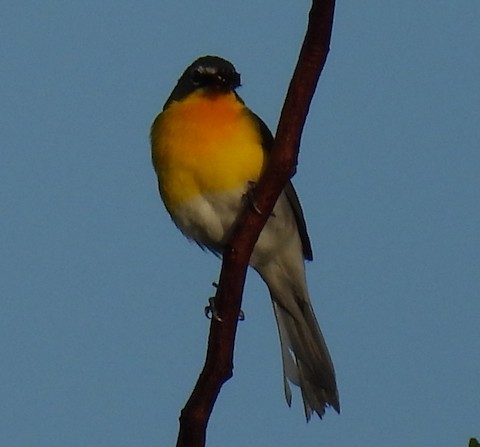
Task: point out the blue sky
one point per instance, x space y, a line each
101 320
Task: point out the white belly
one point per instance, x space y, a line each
209 220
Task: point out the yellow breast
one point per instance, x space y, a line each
205 144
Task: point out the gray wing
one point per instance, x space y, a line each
267 142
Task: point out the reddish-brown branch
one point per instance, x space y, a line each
219 362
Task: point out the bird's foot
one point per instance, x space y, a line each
249 196
212 312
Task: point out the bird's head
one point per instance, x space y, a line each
212 74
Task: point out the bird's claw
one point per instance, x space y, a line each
251 200
211 311
249 196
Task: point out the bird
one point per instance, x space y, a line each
208 149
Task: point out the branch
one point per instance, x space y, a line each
281 166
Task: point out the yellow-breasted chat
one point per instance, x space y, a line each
207 150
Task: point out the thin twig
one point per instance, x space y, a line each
219 361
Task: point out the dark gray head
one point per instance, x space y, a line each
210 73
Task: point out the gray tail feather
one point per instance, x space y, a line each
306 360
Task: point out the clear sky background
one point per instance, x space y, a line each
101 298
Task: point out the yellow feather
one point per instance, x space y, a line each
205 143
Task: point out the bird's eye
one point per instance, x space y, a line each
196 76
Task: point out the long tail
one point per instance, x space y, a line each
306 360
279 259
